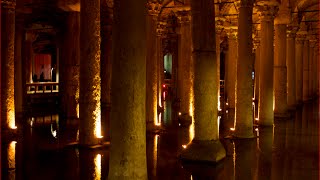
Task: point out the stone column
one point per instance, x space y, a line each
128 94
280 70
291 68
90 92
106 14
305 64
205 145
256 69
311 77
219 27
232 57
267 10
152 71
184 60
160 31
70 53
244 91
316 69
299 65
7 56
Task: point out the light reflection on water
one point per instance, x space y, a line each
97 163
12 160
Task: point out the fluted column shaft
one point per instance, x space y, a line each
244 91
184 60
90 89
291 70
7 67
266 96
232 58
280 71
128 99
299 66
305 86
70 53
206 133
152 67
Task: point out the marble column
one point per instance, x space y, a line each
267 10
90 89
244 90
152 67
305 64
291 68
184 60
232 57
205 145
219 27
256 70
160 31
106 14
299 65
7 56
128 93
280 71
70 54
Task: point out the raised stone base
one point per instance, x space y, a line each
204 151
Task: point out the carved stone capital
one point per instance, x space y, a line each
8 4
161 26
244 3
301 37
232 32
184 17
292 31
153 8
219 24
267 10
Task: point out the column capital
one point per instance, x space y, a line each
161 26
153 8
184 17
267 10
244 3
292 31
219 24
232 32
8 4
301 37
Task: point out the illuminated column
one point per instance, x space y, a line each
152 71
256 67
128 121
69 66
244 91
7 56
89 101
106 14
205 145
291 68
160 30
299 65
232 57
311 77
184 60
267 10
280 69
305 64
219 27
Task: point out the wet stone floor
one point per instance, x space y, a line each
44 150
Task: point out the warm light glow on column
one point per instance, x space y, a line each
12 159
191 110
155 109
97 118
97 168
11 118
155 154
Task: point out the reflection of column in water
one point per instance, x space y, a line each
90 165
167 113
297 128
244 158
278 154
155 155
12 160
265 154
288 146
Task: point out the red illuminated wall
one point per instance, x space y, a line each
45 61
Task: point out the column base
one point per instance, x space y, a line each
282 115
266 122
151 127
243 135
204 151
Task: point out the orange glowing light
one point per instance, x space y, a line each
232 129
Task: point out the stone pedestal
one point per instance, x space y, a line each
205 145
267 10
299 65
7 67
232 56
128 94
291 69
184 60
70 72
305 64
280 72
152 66
244 88
90 91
